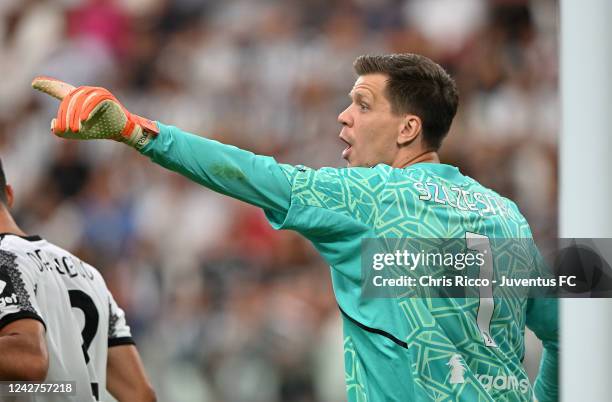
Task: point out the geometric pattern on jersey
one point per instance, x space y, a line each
386 201
353 373
9 268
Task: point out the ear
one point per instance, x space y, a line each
411 127
10 196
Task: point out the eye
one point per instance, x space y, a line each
363 107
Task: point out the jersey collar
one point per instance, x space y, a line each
28 238
439 168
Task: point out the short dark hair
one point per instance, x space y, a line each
416 85
2 185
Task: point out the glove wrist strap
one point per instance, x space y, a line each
139 131
139 138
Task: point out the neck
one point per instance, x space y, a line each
426 156
7 223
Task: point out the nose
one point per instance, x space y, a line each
344 118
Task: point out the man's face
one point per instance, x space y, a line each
369 128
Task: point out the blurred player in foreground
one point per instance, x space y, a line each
401 108
44 292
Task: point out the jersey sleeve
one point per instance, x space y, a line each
330 203
317 203
118 330
226 169
17 292
542 319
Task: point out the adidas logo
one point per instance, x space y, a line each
503 383
500 382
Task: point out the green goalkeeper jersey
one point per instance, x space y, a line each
396 349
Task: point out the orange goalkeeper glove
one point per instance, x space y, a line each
87 113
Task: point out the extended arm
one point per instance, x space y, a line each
126 379
258 180
23 347
23 351
94 113
542 319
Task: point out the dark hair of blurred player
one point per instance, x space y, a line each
3 195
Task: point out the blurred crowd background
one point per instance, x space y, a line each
224 308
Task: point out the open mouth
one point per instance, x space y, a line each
347 150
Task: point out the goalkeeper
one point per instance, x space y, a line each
402 106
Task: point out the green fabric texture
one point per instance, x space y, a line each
436 340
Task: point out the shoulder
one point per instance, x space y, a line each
329 186
16 244
341 176
79 267
12 270
16 251
509 206
35 256
506 207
